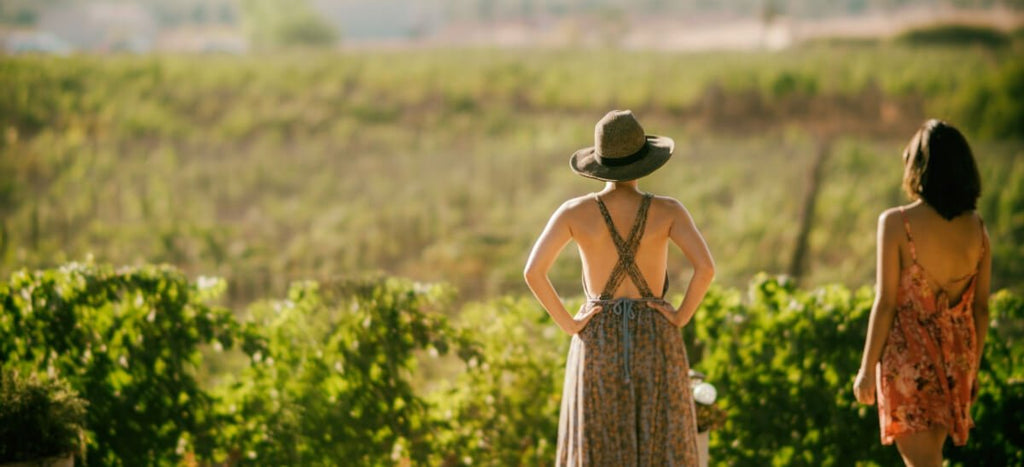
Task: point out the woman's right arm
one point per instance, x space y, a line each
550 243
884 309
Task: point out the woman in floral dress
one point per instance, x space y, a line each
930 315
626 399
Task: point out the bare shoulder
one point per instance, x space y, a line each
890 223
573 209
976 216
576 204
980 221
890 216
672 215
667 204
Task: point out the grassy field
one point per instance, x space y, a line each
443 165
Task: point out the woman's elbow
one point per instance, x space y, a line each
884 306
532 273
705 268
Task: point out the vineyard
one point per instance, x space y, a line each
335 371
211 250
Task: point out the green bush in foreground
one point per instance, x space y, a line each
128 342
334 372
503 410
336 380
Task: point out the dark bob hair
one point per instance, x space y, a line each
939 168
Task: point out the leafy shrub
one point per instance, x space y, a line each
336 372
336 379
504 409
994 107
955 34
998 438
788 83
277 24
783 364
39 417
128 341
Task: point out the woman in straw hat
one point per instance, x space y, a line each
626 399
928 324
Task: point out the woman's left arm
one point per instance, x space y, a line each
687 237
981 291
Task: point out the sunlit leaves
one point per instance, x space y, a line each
127 340
335 371
336 381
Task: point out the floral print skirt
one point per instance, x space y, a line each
626 399
926 373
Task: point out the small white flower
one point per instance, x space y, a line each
207 282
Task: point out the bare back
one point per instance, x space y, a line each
581 220
598 250
949 252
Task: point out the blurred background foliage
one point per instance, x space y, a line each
443 165
275 24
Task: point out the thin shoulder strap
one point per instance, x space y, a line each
638 223
910 238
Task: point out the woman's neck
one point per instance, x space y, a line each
630 185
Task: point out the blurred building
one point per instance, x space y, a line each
35 41
202 39
381 20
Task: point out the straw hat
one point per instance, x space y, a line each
621 150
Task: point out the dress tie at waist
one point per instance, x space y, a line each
624 307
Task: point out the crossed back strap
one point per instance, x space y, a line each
627 251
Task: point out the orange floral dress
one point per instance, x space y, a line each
928 366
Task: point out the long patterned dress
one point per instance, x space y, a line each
929 363
626 399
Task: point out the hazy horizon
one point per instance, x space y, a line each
240 25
